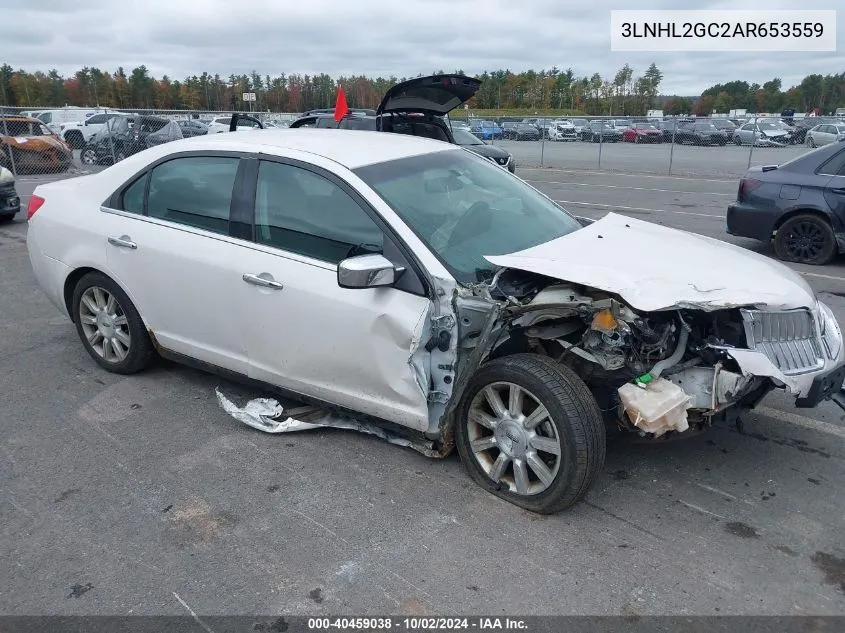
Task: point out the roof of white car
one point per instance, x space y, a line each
350 148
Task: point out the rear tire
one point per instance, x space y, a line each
109 326
806 239
541 450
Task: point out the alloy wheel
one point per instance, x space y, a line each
104 324
804 241
512 438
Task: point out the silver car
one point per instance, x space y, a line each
765 133
825 134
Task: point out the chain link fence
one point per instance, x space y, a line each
73 141
683 146
62 142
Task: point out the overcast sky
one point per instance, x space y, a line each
373 37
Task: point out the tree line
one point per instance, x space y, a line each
624 94
500 89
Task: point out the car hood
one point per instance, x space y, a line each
653 268
488 151
436 94
35 143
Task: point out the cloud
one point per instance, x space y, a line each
371 37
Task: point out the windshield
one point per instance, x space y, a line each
488 124
645 127
769 126
464 207
462 137
705 126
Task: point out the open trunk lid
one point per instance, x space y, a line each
436 94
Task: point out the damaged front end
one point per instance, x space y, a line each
652 373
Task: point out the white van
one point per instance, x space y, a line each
53 119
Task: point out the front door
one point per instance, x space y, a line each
362 349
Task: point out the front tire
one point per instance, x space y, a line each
109 326
530 432
806 239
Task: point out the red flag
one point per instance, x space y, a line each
341 109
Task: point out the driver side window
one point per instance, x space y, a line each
302 212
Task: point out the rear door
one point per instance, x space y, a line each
834 193
170 247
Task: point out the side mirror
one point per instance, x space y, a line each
367 271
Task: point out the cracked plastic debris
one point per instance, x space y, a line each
263 414
658 407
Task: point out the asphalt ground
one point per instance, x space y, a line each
139 495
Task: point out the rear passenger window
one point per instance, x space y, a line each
834 166
132 199
194 191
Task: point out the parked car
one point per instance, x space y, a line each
824 134
800 204
495 153
509 130
622 124
562 130
10 203
579 124
78 133
486 129
763 133
493 321
124 136
458 124
417 107
525 132
669 128
541 124
55 118
30 146
700 134
192 128
724 125
222 124
642 133
599 131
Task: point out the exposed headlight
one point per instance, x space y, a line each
831 334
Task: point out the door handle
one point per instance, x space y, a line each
260 281
839 190
123 242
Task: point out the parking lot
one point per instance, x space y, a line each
139 495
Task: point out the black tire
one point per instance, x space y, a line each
141 352
75 139
573 412
806 239
812 142
738 141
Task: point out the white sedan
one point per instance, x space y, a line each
414 284
826 133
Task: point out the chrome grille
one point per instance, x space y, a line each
789 339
